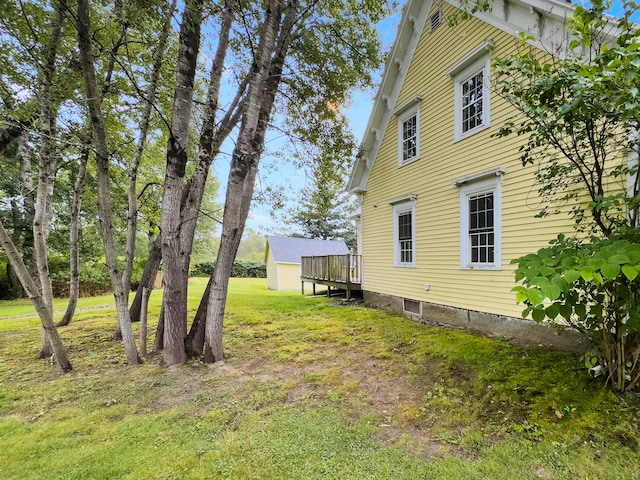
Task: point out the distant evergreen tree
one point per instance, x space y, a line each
325 207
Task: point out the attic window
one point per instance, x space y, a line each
408 115
435 20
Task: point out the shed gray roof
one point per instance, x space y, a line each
291 249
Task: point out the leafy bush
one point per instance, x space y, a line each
203 269
94 276
594 287
240 269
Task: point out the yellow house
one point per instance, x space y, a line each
445 205
283 257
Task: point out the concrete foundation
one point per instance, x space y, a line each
518 329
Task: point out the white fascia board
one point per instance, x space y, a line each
414 17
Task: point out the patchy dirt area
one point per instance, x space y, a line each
356 380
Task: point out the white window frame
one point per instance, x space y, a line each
400 207
479 60
486 182
408 110
409 312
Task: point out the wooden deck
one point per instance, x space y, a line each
338 271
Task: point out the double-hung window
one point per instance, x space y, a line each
471 92
481 220
481 228
408 116
404 231
409 138
472 102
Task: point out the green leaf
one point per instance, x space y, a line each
571 275
610 270
587 275
597 279
551 291
535 296
630 272
597 262
565 310
538 315
552 311
619 259
539 281
521 297
547 271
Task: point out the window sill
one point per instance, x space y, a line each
409 161
461 136
481 266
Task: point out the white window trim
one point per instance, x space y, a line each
487 183
400 207
478 60
409 312
403 113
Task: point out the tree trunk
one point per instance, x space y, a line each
28 194
94 101
175 275
143 321
43 309
46 178
158 343
212 135
149 100
266 75
148 278
74 240
196 337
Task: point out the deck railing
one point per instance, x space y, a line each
345 269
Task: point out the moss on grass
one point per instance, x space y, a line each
309 390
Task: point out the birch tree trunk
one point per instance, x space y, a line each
28 194
196 337
41 306
210 139
148 277
175 275
94 100
46 175
149 100
74 239
274 44
143 321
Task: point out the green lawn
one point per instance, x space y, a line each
309 390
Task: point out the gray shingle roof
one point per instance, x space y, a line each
291 249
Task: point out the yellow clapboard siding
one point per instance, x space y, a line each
437 235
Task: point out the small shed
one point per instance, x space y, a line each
283 257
